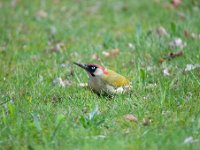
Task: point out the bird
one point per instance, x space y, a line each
104 81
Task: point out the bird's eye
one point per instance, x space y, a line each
93 68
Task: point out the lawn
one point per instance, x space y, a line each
157 49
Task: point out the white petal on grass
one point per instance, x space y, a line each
150 68
96 137
99 137
131 46
83 84
189 140
41 79
53 30
107 54
177 43
112 53
93 113
190 67
166 72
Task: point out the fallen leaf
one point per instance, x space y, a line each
95 56
171 56
63 83
176 3
177 43
166 72
147 121
176 54
161 60
161 31
187 34
111 53
41 14
130 117
107 54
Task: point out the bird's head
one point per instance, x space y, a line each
93 70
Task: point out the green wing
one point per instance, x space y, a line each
115 79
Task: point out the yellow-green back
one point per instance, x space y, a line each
115 79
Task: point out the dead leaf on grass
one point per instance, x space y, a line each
130 117
171 56
41 14
161 31
95 56
175 54
176 3
112 53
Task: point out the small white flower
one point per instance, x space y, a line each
166 72
131 46
190 140
177 43
190 67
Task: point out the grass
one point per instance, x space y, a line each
36 114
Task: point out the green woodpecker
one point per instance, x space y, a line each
103 80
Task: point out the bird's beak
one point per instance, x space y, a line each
82 66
